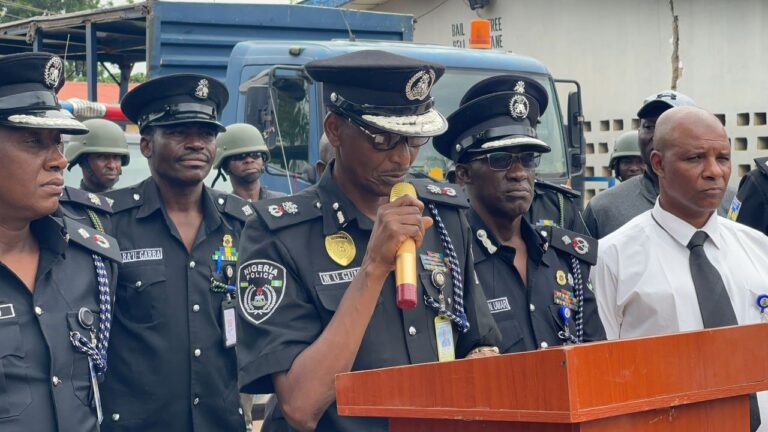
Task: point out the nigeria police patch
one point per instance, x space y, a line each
260 288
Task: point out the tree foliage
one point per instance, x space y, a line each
13 10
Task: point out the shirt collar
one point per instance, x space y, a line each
153 202
681 230
489 245
338 210
50 233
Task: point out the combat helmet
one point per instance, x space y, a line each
103 137
626 145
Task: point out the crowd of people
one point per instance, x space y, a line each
152 307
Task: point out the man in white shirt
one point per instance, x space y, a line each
649 271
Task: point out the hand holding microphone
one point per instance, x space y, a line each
405 265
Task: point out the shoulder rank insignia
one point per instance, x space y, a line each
88 199
232 205
282 212
93 240
124 199
444 193
542 185
579 245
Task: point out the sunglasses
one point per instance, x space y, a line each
384 141
253 155
502 161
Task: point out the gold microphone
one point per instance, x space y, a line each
405 267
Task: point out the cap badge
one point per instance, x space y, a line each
53 72
419 85
520 87
202 89
518 106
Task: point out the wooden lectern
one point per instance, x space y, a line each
695 381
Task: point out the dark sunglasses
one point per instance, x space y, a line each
254 155
502 161
384 141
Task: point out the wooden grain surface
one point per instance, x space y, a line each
568 384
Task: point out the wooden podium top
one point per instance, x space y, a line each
568 384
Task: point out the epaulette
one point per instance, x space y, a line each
87 199
570 193
762 164
443 193
126 198
581 246
92 239
232 205
286 211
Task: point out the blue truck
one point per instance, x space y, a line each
258 50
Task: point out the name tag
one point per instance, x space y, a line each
498 305
7 311
142 255
230 327
330 278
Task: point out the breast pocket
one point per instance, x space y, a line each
142 293
15 394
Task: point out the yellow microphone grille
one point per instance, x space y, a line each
401 189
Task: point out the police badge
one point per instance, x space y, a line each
518 107
202 89
419 85
53 71
260 288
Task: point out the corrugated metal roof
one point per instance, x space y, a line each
349 4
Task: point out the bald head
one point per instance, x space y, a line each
692 158
685 121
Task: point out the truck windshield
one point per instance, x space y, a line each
448 93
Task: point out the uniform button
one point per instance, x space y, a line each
221 201
38 310
198 352
196 308
412 331
115 417
195 401
138 284
544 345
543 233
136 197
532 307
240 410
55 380
191 264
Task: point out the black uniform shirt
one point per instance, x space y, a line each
299 287
44 381
169 370
529 317
750 206
555 205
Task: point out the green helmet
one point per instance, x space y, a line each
625 145
239 138
103 137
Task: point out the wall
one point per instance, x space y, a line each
620 51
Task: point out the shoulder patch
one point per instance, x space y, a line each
733 211
579 245
443 193
261 286
762 164
92 240
87 199
285 211
124 199
232 205
568 192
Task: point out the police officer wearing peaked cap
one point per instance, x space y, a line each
57 273
534 278
173 356
316 286
553 204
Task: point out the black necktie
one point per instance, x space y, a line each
715 305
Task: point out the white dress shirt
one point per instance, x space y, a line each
643 285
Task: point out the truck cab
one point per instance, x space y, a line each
269 89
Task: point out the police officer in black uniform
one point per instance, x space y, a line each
316 287
57 272
535 279
173 358
750 206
